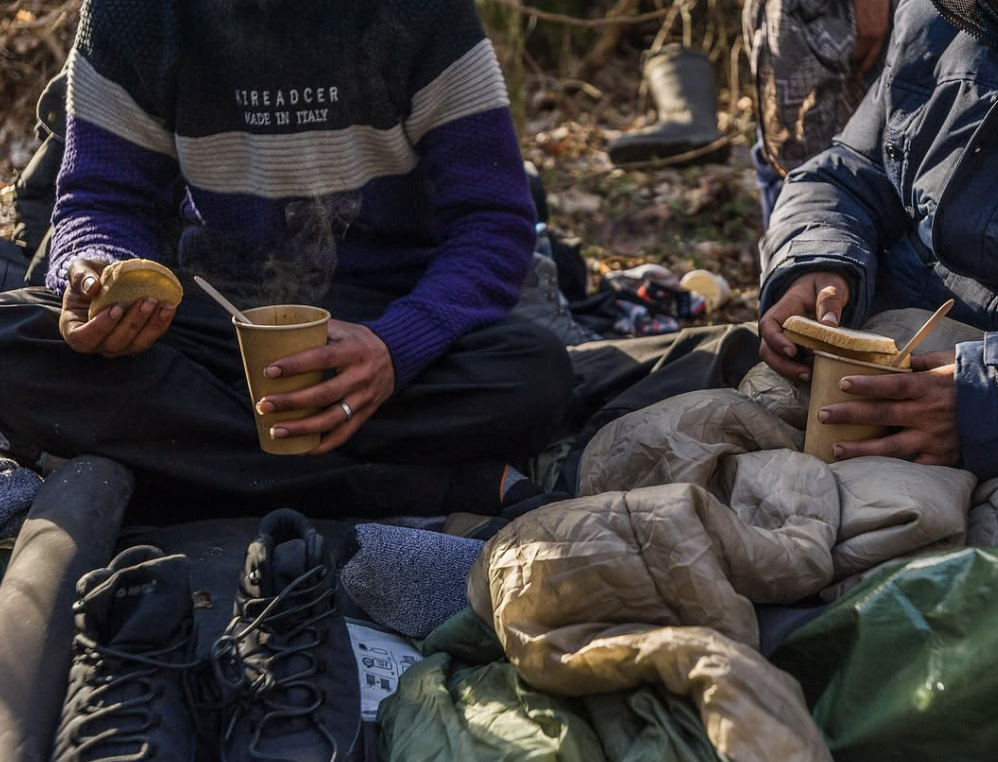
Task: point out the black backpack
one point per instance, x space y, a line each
24 259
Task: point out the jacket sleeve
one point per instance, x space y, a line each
837 212
482 211
119 163
977 405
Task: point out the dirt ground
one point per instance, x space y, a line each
696 217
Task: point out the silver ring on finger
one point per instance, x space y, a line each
346 410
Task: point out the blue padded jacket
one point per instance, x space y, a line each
905 205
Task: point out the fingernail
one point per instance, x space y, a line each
167 309
272 371
788 351
264 406
88 283
805 376
830 317
147 306
116 312
836 451
278 433
845 384
823 415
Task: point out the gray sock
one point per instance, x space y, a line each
17 491
409 580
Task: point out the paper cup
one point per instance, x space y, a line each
280 330
828 370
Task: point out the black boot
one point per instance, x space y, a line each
274 664
683 86
134 646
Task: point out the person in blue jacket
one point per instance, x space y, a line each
902 211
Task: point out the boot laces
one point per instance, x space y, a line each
112 676
249 674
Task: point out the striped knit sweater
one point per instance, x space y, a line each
369 139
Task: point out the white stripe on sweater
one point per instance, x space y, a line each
101 102
470 85
303 164
317 162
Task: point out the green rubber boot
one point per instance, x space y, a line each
684 88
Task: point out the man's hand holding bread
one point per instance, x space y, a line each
117 329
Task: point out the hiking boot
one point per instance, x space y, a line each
135 642
272 663
542 303
683 86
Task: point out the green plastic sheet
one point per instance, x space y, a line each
905 666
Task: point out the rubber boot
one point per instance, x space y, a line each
71 529
682 84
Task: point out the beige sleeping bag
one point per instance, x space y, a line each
689 511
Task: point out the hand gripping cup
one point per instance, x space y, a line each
278 331
828 371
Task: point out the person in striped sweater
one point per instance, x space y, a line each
357 155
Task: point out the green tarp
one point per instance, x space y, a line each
905 667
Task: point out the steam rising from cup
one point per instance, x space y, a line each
286 259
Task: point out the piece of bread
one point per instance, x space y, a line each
845 342
129 280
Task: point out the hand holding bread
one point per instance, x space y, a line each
921 406
823 295
117 309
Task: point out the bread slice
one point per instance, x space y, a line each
127 281
845 342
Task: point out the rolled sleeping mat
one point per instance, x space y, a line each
71 529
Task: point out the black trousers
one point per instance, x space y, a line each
180 416
614 378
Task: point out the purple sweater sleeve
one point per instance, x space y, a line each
485 215
110 199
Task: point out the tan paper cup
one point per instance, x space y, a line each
280 330
828 370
